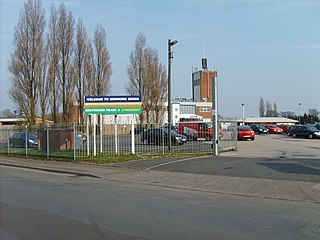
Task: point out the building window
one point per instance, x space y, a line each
187 109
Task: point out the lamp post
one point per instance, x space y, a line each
242 104
299 104
170 59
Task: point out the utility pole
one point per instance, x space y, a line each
170 59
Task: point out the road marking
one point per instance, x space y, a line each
316 187
176 161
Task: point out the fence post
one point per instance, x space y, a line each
132 135
168 142
101 133
26 140
116 133
88 136
8 140
94 135
48 142
74 141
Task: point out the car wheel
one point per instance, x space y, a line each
310 136
252 139
294 135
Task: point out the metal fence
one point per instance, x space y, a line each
115 139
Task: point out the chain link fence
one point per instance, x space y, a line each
115 139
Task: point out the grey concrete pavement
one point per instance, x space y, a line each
304 153
251 187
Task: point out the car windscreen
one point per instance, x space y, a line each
173 133
32 136
312 128
244 128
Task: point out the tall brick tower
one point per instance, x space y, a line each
202 83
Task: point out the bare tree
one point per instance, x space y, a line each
156 86
313 112
147 78
313 115
262 108
135 71
6 113
81 51
89 74
269 109
44 85
288 114
275 110
102 64
25 64
148 84
65 46
53 71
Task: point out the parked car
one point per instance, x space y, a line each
191 134
138 129
291 129
285 128
274 129
245 132
19 139
258 129
198 129
160 136
202 129
317 126
173 127
306 131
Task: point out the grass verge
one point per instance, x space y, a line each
104 158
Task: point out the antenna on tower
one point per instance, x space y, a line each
204 60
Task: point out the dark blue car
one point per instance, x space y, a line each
19 139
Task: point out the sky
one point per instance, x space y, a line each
266 49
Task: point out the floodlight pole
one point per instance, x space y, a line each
299 104
170 59
215 115
242 104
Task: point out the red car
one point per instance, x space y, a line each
245 132
285 128
274 129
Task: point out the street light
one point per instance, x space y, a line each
242 104
299 104
170 59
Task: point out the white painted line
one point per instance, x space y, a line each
176 161
316 187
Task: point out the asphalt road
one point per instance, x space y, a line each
271 156
41 205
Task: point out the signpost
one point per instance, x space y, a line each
112 105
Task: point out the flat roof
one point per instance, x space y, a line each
13 119
270 119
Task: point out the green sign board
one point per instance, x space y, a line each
113 105
113 110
